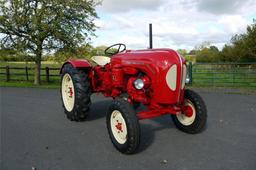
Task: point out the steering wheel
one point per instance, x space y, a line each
115 49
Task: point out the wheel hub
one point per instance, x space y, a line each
188 111
70 92
188 114
118 127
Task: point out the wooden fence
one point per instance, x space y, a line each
14 73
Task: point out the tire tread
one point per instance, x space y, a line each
82 93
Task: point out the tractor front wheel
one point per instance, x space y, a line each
193 118
123 126
75 93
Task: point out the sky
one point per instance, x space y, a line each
177 24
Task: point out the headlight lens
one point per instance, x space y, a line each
138 84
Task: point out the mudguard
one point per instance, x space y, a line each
77 63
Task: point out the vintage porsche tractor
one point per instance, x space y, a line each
155 78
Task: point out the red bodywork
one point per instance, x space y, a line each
152 67
78 63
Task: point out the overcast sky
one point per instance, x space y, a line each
176 23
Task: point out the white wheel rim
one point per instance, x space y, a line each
118 127
68 92
186 120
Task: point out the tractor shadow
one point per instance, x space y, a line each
148 127
98 109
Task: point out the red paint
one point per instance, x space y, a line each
151 66
158 112
188 111
119 126
130 70
70 92
77 63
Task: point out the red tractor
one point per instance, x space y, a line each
155 78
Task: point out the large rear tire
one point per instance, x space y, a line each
195 121
123 126
75 93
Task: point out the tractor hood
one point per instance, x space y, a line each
161 57
157 65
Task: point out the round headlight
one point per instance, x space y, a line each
138 84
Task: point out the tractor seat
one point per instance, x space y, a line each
101 60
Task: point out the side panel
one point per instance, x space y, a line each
77 63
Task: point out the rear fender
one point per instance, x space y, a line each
77 63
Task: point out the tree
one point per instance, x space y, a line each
38 26
203 45
99 50
64 54
245 44
214 48
227 54
182 52
210 54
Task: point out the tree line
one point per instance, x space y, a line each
61 55
242 48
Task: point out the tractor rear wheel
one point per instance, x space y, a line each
123 126
75 93
194 119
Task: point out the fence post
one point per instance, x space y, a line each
233 75
26 70
190 70
47 74
7 73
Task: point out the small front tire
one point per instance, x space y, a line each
123 126
195 121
